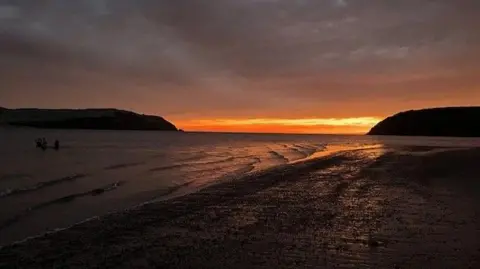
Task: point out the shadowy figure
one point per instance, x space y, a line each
41 143
38 142
56 145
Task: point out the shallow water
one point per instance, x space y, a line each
97 172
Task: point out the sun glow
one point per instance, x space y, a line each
276 125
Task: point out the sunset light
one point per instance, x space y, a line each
239 134
276 125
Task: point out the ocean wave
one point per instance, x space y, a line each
123 165
307 149
219 173
299 152
229 159
40 185
197 156
180 165
278 156
168 167
61 200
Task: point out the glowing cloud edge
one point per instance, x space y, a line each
359 122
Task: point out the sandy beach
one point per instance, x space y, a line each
402 207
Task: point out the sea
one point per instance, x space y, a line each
95 173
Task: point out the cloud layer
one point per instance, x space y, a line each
192 59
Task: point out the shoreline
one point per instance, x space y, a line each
242 210
171 192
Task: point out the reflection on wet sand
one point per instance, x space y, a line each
364 207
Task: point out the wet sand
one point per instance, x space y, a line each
375 208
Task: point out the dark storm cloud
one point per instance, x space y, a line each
231 54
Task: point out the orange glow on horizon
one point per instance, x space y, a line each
264 125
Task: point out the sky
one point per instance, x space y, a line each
318 66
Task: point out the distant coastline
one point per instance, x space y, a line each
447 121
91 119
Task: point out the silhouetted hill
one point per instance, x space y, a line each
450 121
97 119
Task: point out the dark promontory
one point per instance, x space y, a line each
449 121
95 119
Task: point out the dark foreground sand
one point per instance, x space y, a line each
407 208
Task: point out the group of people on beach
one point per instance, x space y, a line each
43 144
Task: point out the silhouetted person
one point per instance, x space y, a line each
44 144
38 142
41 143
57 145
